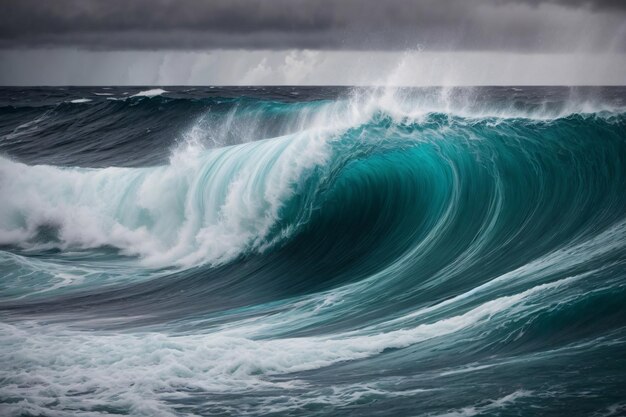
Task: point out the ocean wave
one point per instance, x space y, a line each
421 254
210 205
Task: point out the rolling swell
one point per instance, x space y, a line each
388 254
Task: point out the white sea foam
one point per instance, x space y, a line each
150 93
205 206
141 371
80 100
491 405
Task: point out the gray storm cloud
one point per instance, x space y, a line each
313 42
473 25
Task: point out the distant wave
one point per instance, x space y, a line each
150 93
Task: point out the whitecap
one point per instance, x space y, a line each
150 93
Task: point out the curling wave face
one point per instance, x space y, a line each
313 251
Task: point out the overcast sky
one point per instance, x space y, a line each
419 42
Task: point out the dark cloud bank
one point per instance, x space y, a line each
523 25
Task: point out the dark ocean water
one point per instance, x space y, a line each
313 251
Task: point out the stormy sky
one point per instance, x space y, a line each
312 41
